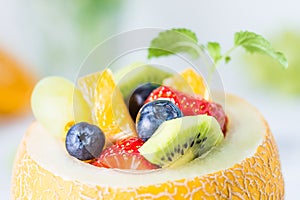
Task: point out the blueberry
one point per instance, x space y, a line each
138 97
85 141
154 113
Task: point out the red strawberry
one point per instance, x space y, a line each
190 105
124 155
98 164
164 92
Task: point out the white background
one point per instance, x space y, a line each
211 20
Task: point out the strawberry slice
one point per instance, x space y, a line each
190 105
124 155
164 92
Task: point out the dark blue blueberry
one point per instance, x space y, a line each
154 114
138 97
85 141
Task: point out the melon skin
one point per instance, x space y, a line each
256 177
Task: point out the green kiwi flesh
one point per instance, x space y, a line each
178 141
134 75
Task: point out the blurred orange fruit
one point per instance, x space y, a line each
188 81
16 85
108 107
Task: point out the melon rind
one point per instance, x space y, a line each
251 171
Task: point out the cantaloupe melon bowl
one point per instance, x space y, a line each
245 166
98 140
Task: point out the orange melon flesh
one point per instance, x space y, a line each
245 166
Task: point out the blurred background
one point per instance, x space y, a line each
39 38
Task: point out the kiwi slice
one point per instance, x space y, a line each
136 74
178 141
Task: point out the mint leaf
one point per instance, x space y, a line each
255 43
214 50
227 59
174 41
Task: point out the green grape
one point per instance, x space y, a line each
56 102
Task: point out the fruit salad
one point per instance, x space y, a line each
154 126
149 133
145 121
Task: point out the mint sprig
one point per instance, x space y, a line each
173 41
254 43
185 41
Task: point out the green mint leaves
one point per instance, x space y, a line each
254 43
214 50
185 41
174 41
